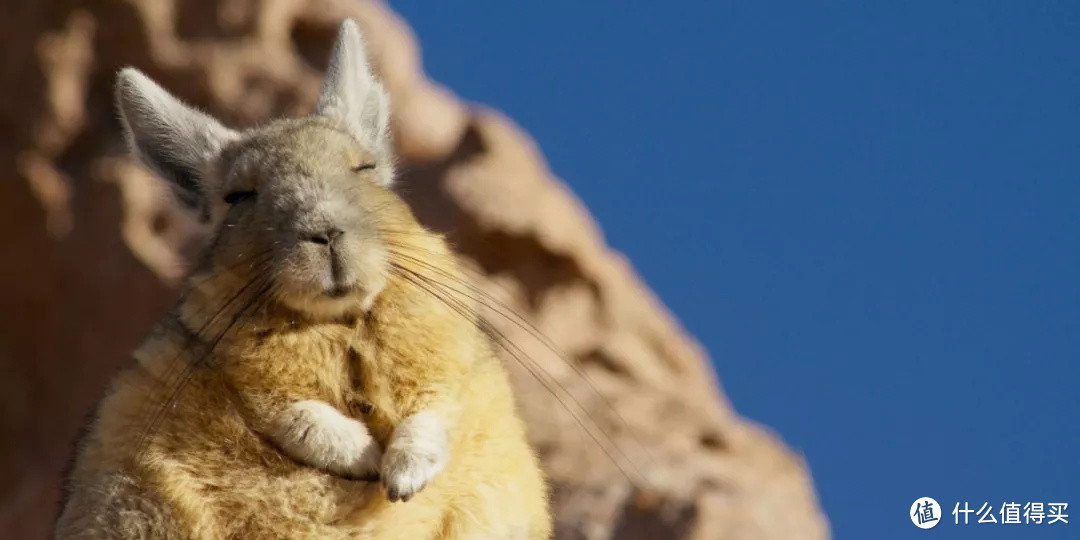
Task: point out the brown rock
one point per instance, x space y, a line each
93 246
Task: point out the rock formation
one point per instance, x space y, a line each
92 248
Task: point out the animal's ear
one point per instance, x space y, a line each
352 95
171 138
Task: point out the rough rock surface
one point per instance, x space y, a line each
92 247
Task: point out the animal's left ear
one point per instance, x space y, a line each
352 95
172 139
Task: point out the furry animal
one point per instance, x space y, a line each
317 379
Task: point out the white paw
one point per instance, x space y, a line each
315 433
417 452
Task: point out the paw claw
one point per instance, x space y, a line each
416 454
405 475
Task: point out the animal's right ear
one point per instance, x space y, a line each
169 137
353 95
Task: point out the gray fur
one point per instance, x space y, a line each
299 175
170 138
352 95
177 141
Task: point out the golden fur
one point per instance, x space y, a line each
187 443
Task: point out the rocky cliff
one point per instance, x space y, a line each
92 248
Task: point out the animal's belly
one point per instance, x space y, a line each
229 479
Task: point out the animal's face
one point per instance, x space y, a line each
303 196
297 202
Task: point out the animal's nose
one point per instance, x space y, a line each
326 237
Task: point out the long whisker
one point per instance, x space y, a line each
258 258
420 234
263 285
509 314
254 262
171 369
540 373
542 376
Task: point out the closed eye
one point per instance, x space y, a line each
363 167
239 196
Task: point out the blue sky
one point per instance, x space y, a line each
868 212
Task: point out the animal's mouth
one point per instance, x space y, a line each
339 291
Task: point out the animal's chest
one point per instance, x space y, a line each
380 386
314 363
369 374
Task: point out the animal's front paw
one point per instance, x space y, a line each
315 433
417 452
404 473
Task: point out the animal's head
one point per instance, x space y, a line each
298 199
